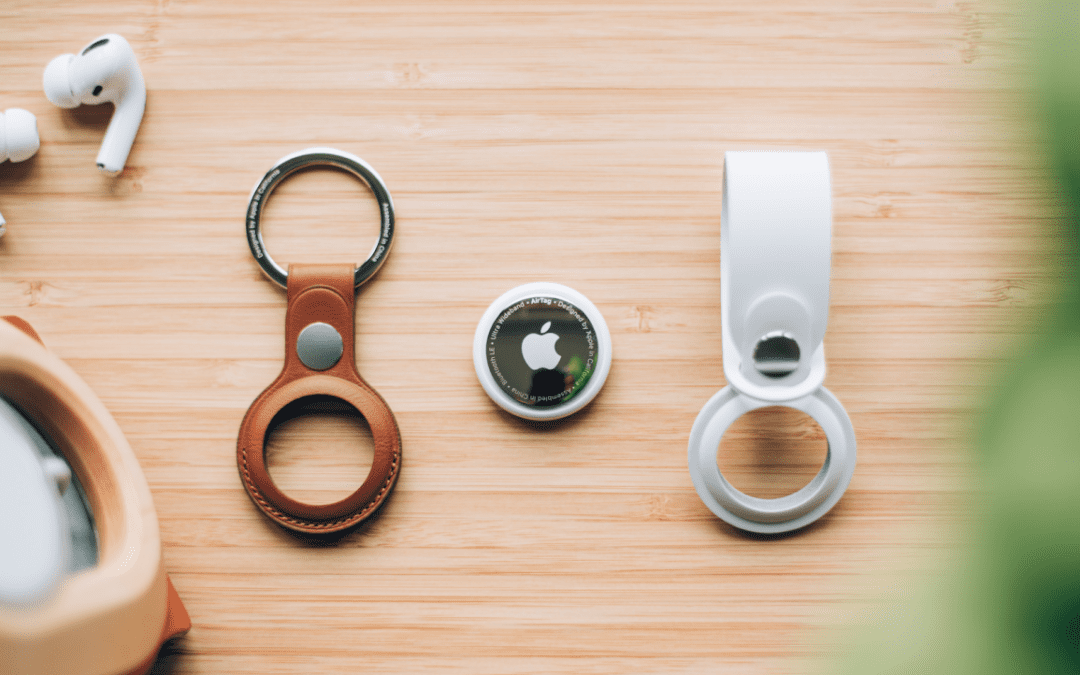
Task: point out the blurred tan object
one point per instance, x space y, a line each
111 618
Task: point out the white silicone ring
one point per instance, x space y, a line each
552 290
770 516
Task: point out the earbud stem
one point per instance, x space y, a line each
123 126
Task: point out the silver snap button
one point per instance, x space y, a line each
319 346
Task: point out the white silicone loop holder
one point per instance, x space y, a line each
775 264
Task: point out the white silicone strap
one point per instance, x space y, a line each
775 264
775 260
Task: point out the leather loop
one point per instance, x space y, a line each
323 294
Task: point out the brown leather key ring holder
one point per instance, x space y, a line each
319 360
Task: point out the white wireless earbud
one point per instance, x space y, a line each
105 70
18 138
18 135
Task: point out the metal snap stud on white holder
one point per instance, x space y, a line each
775 264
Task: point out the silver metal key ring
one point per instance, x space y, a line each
289 165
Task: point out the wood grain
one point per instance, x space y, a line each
525 141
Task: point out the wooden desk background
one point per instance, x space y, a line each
527 141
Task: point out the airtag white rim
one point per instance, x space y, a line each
532 290
783 514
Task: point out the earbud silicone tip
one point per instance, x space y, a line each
57 82
20 134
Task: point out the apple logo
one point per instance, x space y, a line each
539 349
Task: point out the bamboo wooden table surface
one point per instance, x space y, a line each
526 141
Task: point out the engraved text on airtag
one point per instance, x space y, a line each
542 351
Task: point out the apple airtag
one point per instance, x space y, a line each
542 351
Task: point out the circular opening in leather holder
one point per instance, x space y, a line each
319 361
318 449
